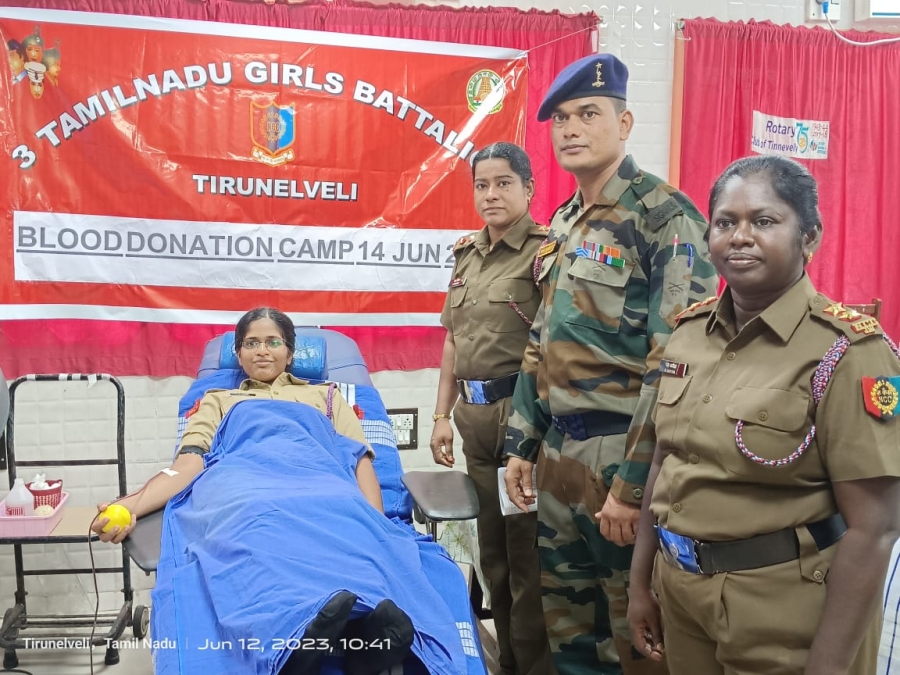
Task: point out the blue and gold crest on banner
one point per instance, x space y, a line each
273 130
881 396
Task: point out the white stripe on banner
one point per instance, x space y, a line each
62 247
256 32
210 316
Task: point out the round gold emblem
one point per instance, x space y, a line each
885 397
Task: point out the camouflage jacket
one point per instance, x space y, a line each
613 283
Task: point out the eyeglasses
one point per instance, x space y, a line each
253 345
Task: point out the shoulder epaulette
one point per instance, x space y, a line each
539 230
463 242
845 320
662 214
697 309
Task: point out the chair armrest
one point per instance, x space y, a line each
442 495
143 544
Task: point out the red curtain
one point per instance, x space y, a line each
732 69
167 349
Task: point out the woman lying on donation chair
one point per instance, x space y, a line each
775 490
241 474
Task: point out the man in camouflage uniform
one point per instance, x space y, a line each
623 257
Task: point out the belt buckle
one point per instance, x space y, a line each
575 427
679 551
572 425
559 423
476 392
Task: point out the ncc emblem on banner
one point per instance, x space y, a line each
273 129
881 397
485 87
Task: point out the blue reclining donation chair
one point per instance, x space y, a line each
327 356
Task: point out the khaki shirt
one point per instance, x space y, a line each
204 421
489 334
762 375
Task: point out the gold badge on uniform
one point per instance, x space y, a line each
881 396
457 282
667 367
547 249
835 309
867 325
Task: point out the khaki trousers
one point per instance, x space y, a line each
508 554
751 622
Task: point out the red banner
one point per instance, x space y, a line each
766 89
186 172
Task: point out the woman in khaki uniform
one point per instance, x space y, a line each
775 490
264 340
489 308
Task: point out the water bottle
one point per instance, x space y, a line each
19 501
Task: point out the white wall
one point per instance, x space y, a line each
73 421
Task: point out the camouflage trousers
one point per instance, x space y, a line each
584 577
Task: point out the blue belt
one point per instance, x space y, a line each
713 557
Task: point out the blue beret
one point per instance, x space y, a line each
595 75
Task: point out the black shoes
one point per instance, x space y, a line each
384 638
372 644
324 630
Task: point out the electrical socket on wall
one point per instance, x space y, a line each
405 423
814 11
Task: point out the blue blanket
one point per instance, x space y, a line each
271 529
376 424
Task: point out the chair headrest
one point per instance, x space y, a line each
309 363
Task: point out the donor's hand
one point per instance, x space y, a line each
115 531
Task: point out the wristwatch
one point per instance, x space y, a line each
440 416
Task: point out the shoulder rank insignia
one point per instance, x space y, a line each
866 325
881 396
696 305
838 311
462 242
860 325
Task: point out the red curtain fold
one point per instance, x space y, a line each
151 349
732 69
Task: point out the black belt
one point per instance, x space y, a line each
591 424
484 392
713 557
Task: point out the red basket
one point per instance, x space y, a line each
50 496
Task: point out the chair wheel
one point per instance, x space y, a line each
10 659
112 656
141 622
